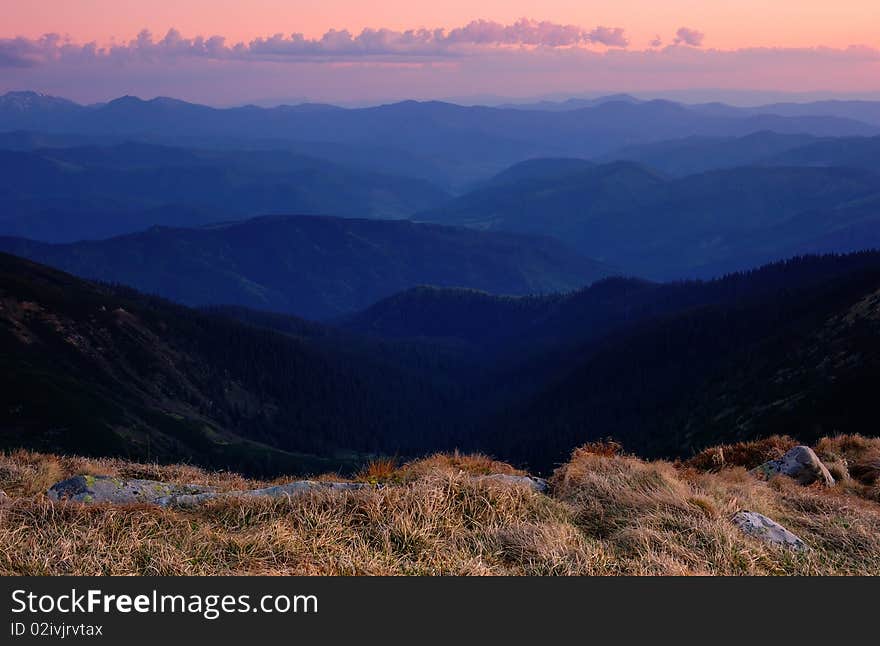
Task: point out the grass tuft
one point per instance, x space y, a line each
742 454
382 471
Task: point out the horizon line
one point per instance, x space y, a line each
500 101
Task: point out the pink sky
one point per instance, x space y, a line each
566 46
731 23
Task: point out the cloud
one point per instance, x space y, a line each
609 36
24 52
10 56
474 37
687 36
657 42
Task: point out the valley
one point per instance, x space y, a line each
297 289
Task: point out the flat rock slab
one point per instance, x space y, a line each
119 490
537 484
107 489
95 489
800 463
279 491
767 530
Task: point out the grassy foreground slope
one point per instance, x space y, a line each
607 514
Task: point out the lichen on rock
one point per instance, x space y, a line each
767 530
94 489
537 484
278 491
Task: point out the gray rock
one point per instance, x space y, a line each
91 489
537 484
800 463
279 491
767 531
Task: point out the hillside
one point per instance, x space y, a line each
537 170
316 267
848 227
100 370
663 228
605 514
666 368
87 192
852 152
682 157
796 359
692 155
864 111
548 196
462 315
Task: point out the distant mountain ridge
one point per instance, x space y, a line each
81 192
661 227
317 267
465 143
691 155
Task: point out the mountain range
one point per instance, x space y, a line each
662 227
65 194
457 143
316 267
738 187
858 110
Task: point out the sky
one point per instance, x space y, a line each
349 51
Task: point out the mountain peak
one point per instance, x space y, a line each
126 99
29 100
167 100
611 98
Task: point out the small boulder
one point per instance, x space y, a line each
536 484
767 531
92 489
800 463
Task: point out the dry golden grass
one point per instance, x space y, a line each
742 454
474 464
25 473
607 514
859 456
379 471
